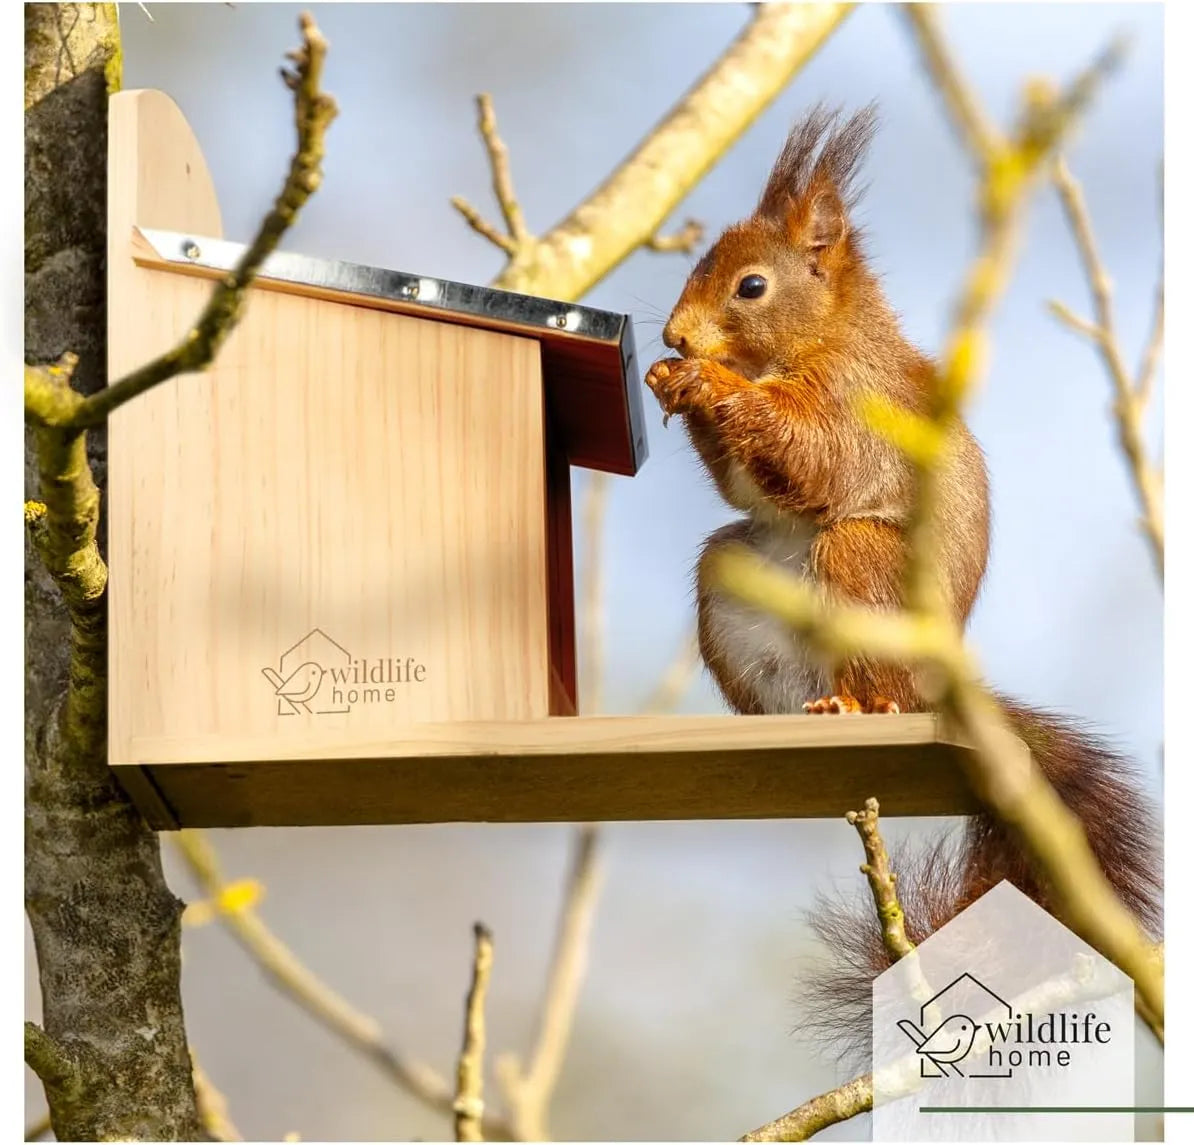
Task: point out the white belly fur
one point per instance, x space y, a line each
781 671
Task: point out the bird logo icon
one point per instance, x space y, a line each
297 689
947 1045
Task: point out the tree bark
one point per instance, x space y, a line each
112 1052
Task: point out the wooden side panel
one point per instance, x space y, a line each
561 592
339 527
580 769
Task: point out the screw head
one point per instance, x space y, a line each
410 290
561 320
191 249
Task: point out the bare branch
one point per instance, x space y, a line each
63 526
516 236
628 209
49 400
499 162
978 135
213 1106
882 879
529 1091
314 111
839 1104
1009 173
483 226
1081 326
36 1130
1130 397
1078 216
683 241
327 1007
1152 350
57 1069
469 1105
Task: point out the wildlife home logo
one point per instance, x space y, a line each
319 677
1003 1025
1000 1040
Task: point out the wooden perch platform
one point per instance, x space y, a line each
567 769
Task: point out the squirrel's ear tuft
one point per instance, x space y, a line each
813 178
825 224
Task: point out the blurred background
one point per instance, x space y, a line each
686 1027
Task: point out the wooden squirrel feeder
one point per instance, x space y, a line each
341 558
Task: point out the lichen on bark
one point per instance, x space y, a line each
112 1049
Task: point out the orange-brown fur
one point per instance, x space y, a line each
767 387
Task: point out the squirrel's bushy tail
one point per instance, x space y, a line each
938 881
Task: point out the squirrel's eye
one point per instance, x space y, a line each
752 286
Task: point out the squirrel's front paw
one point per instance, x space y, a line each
677 384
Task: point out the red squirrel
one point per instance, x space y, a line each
780 326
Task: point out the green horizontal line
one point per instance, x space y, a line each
1056 1109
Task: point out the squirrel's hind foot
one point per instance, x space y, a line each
848 705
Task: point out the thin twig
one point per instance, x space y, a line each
36 1130
1130 397
529 1091
284 970
213 1106
1079 325
978 135
683 241
314 111
469 1105
483 226
1152 349
819 1113
1010 167
882 879
499 164
516 235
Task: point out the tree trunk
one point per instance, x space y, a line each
113 1055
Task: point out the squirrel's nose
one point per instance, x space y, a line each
674 341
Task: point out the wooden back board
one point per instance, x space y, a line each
358 518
